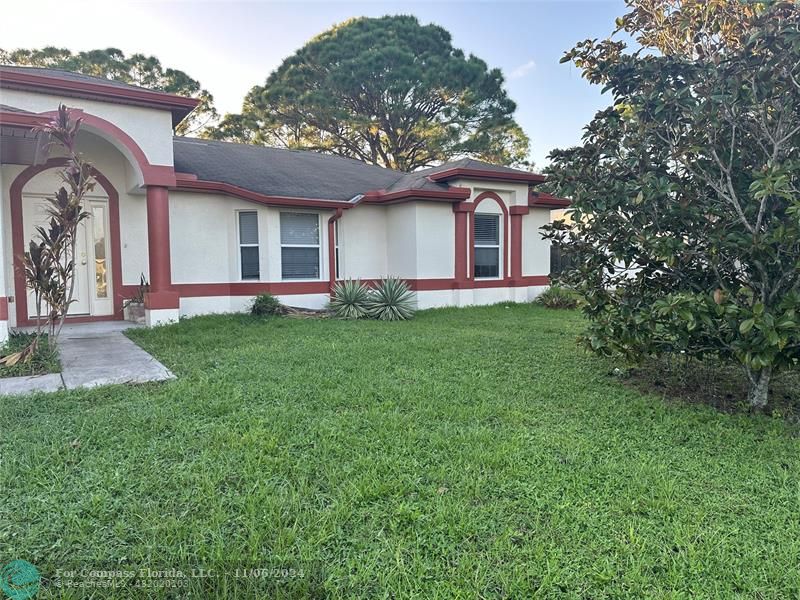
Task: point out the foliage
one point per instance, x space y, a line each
476 444
43 357
266 305
141 289
391 300
557 296
136 69
49 264
387 91
350 299
686 193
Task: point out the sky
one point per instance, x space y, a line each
230 46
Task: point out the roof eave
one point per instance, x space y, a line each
179 106
545 200
452 194
460 172
187 182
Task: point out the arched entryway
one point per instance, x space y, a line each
98 257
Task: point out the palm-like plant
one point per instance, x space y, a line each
350 299
392 300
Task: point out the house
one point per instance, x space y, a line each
211 224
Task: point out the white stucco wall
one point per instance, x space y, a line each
401 240
363 242
435 240
204 239
150 128
535 249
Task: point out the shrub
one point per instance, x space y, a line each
350 299
558 297
392 300
266 304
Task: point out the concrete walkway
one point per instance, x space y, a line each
93 354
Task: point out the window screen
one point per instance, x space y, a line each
300 246
487 246
248 245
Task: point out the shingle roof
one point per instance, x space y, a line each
68 75
292 173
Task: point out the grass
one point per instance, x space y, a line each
44 359
471 453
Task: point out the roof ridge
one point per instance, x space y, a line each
54 71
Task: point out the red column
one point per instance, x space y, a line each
160 295
332 248
516 242
461 272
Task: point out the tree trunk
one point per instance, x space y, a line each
759 388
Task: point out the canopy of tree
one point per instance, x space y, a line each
137 69
686 192
387 91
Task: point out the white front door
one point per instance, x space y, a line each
93 294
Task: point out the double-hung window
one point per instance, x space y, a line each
487 246
300 250
248 244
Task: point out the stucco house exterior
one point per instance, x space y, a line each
212 224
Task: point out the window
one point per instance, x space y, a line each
487 246
299 246
248 244
100 262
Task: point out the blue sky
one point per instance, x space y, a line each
231 46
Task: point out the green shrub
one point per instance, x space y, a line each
391 300
350 299
266 304
558 297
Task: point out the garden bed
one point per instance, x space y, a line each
44 360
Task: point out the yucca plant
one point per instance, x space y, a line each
392 300
350 299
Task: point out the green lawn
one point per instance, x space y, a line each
471 453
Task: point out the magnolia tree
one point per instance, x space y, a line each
49 263
686 192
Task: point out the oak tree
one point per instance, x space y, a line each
388 91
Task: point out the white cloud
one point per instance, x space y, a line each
522 70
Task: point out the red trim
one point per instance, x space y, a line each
3 308
250 288
158 249
179 106
545 200
161 300
18 241
384 197
332 247
185 184
19 119
506 276
487 174
462 212
517 212
288 288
